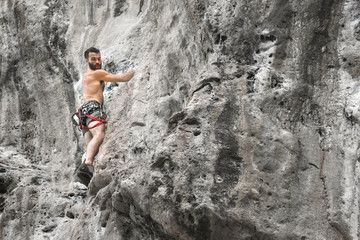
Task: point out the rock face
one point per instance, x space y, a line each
242 121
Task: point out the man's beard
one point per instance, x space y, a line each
94 67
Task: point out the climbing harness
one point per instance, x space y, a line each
80 118
100 121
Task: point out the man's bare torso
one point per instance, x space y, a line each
95 78
92 88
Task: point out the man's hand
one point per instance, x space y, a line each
128 75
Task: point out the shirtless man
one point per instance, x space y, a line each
93 84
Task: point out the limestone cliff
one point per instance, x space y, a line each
242 121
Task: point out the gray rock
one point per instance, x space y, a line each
240 123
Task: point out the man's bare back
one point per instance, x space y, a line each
95 79
92 88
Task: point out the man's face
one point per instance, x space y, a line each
94 61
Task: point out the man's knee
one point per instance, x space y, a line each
100 136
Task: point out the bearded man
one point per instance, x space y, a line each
93 85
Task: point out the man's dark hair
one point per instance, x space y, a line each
92 49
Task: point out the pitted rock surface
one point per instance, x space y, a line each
242 121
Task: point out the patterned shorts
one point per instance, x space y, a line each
94 109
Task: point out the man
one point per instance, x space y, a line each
93 84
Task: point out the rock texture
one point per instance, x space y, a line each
242 121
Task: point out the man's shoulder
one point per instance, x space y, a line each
97 75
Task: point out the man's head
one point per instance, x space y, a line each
93 58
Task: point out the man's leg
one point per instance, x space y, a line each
87 138
98 134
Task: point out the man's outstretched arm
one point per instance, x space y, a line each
108 77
